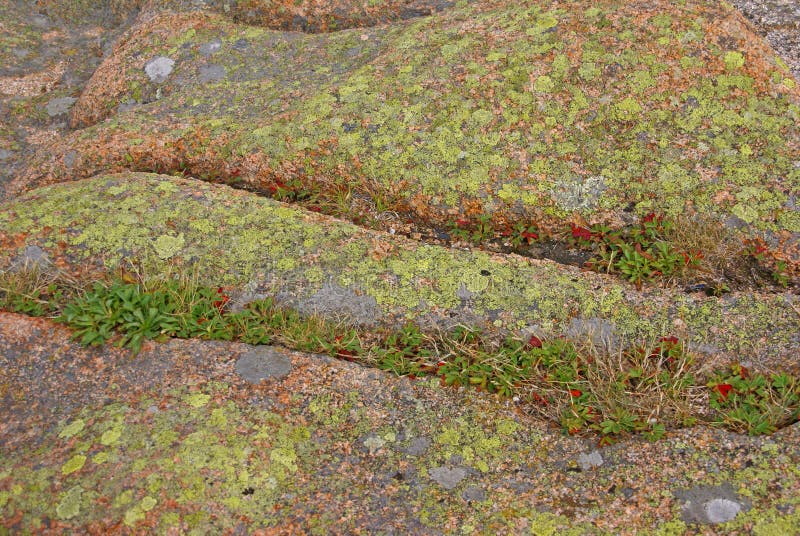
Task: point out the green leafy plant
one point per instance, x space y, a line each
641 389
344 344
475 232
779 274
754 403
639 254
404 353
120 309
523 235
778 271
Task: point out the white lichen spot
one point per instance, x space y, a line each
721 510
578 193
159 68
374 444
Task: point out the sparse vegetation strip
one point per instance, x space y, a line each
646 388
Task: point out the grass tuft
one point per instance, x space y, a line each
643 389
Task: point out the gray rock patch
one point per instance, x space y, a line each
418 446
600 331
590 460
463 293
207 49
32 257
40 21
711 504
159 68
474 493
69 159
333 300
212 73
239 300
127 106
261 363
5 155
735 223
446 477
59 106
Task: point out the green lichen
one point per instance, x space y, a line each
70 504
167 246
72 429
473 105
258 238
74 464
241 462
733 60
111 437
197 400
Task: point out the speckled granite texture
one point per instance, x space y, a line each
778 21
436 109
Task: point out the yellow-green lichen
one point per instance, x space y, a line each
392 110
197 400
70 504
74 464
258 236
73 428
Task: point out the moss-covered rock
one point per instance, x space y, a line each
525 111
312 15
255 244
176 441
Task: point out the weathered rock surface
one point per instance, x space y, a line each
176 440
546 112
526 112
246 241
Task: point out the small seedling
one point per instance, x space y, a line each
474 232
